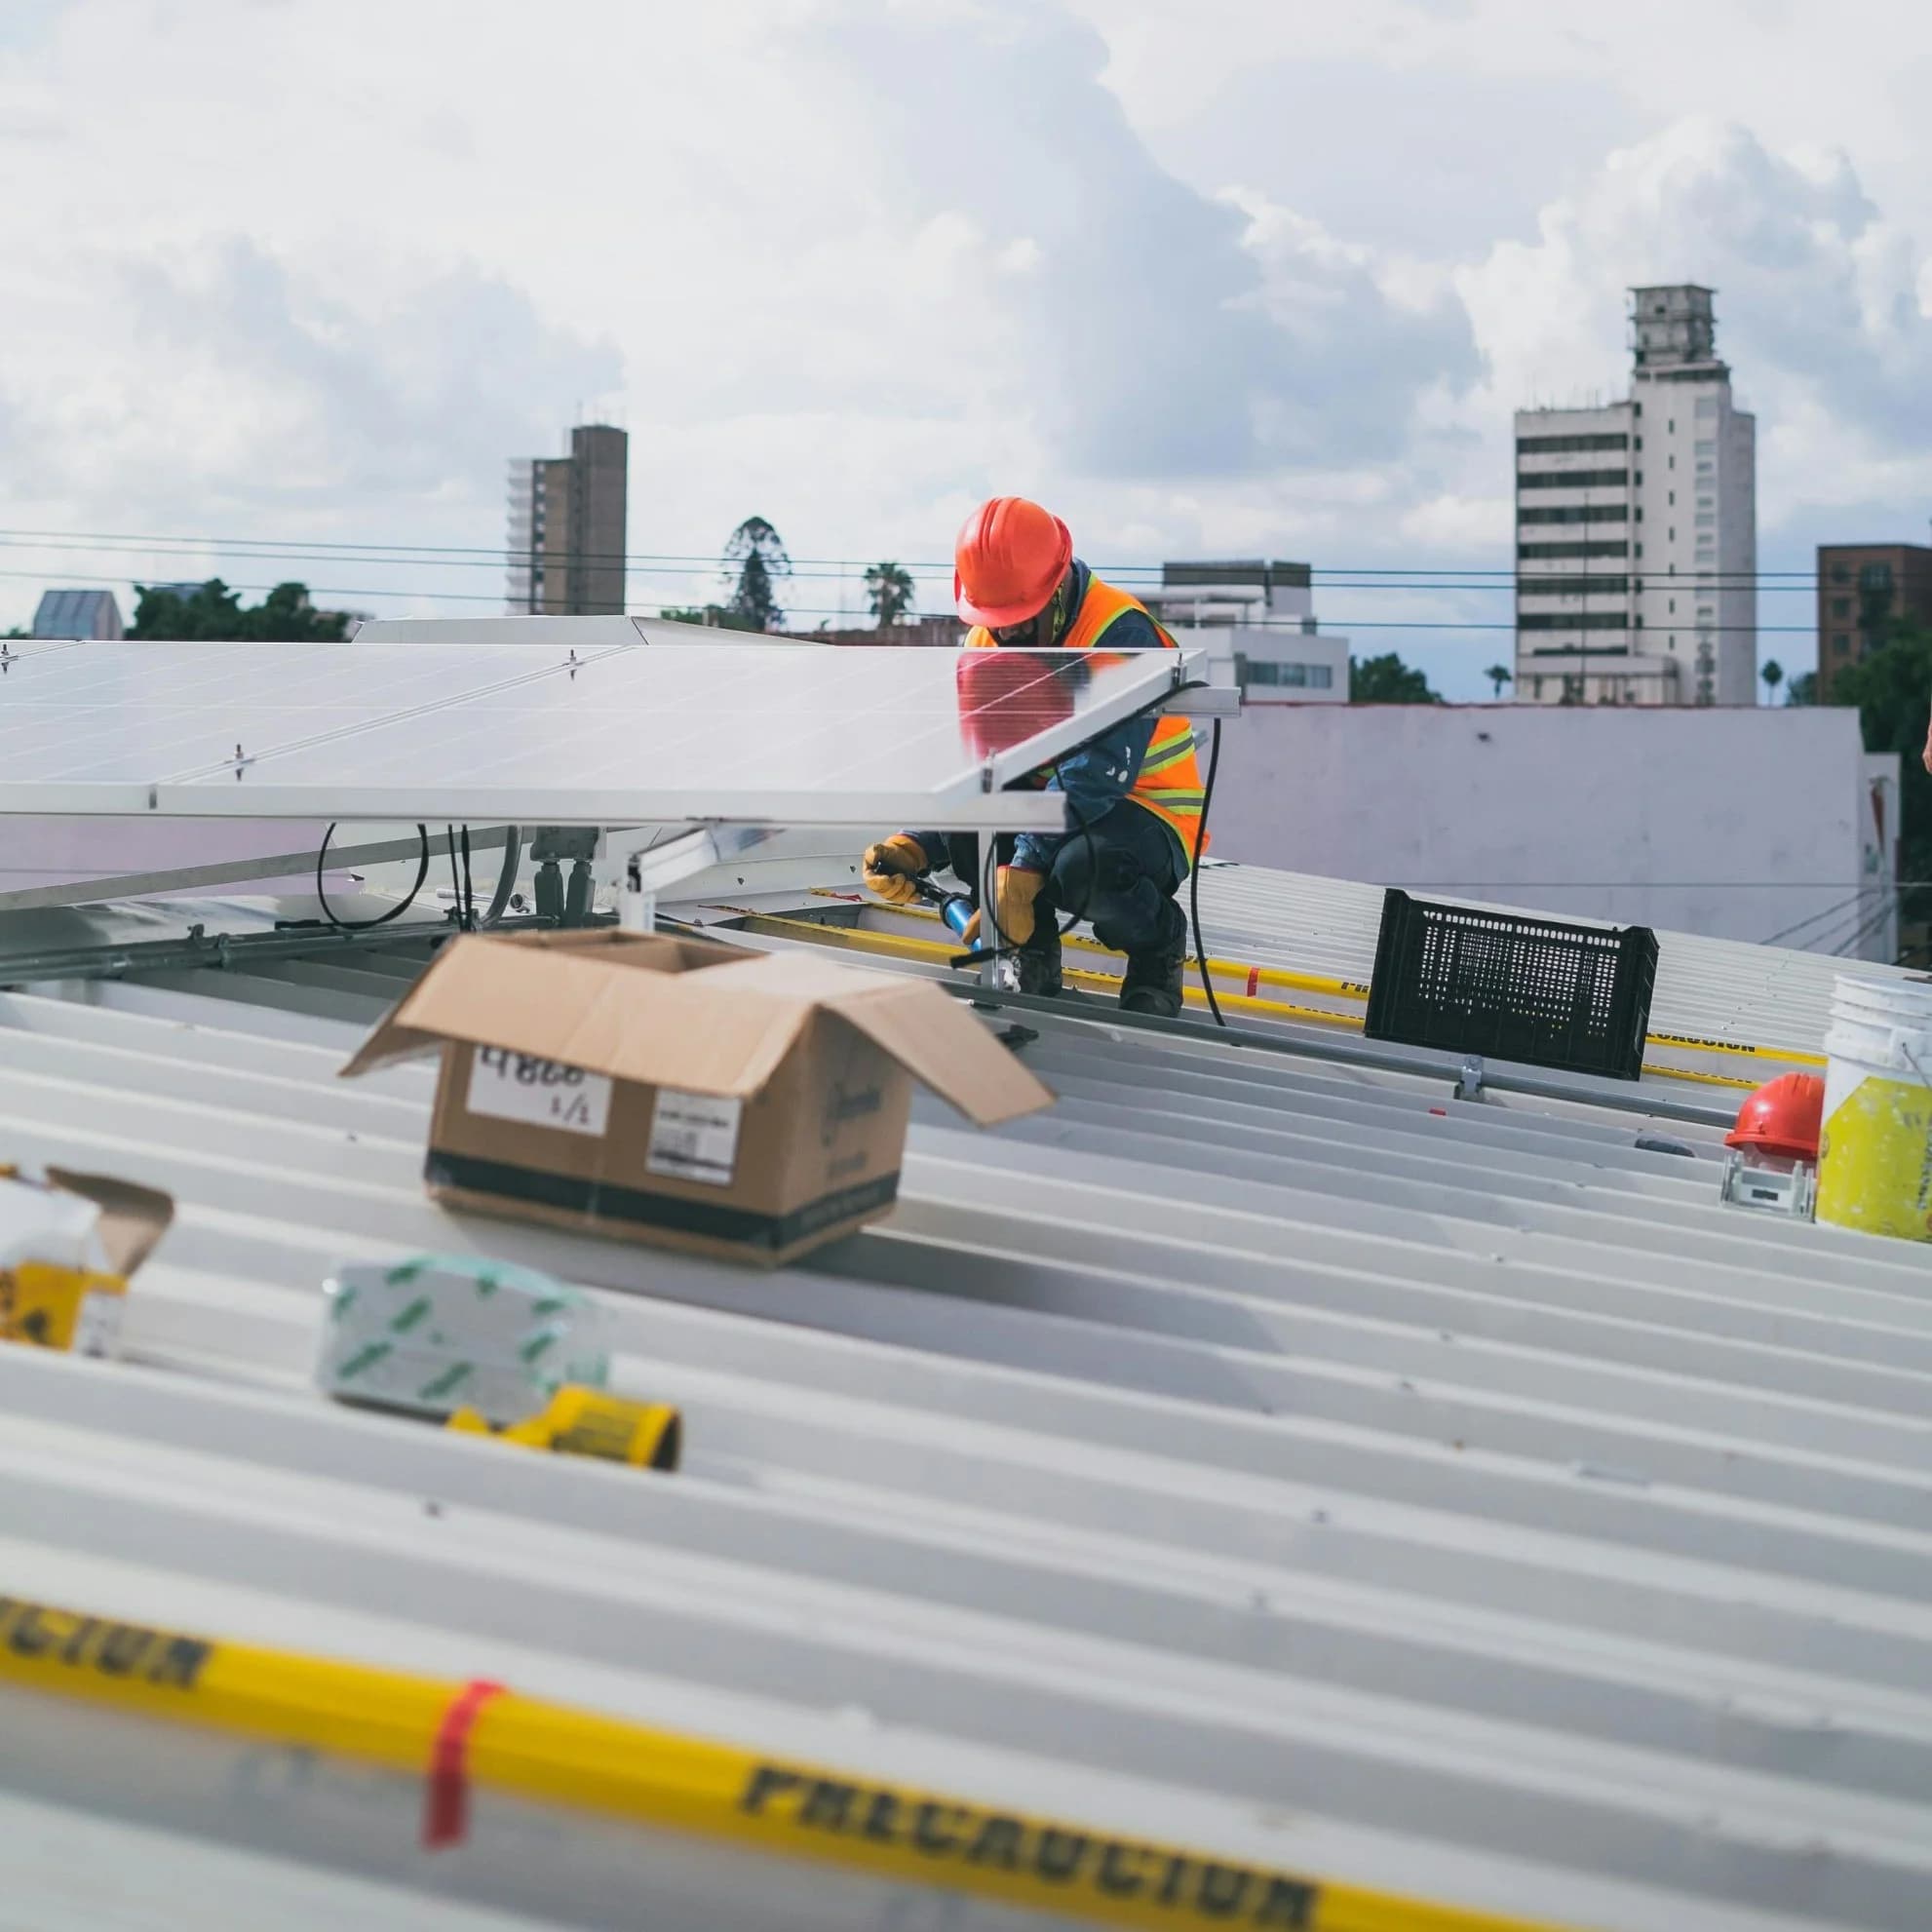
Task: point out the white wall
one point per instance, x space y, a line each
1733 823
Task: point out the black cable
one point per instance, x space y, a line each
506 878
455 884
1816 919
382 919
469 888
1194 878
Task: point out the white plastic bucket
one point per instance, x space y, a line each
1875 1160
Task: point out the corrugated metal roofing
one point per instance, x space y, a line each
77 614
1449 1497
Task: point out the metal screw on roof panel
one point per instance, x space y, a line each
1609 1472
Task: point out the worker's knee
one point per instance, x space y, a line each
1089 872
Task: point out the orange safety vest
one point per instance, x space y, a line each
1169 784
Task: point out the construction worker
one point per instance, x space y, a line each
1134 791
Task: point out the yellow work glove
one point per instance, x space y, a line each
891 865
1014 893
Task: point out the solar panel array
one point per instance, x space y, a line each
759 733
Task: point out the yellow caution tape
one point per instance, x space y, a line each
493 1739
899 946
1788 1055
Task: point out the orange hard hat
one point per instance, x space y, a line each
1785 1116
1006 697
1008 561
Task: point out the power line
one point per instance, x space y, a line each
1292 625
1331 576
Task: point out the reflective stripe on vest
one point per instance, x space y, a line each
1169 783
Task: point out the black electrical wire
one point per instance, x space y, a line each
469 888
1005 948
382 919
506 878
1194 876
455 881
1837 911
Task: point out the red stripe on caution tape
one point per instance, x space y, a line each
446 1798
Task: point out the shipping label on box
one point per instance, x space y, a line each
540 1093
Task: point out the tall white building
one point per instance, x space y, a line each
1637 528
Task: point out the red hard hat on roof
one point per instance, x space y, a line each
1008 561
1785 1117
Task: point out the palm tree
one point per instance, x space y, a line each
891 590
1499 675
1773 675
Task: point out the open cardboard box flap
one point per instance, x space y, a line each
133 1218
710 1020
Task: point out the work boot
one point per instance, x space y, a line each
1153 983
1035 968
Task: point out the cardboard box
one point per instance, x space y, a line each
690 1095
69 1243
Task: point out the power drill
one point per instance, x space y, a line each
954 907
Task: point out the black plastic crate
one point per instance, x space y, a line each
1538 991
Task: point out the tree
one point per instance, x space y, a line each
714 615
1387 681
1890 688
757 552
1773 675
891 590
1803 689
1500 675
211 610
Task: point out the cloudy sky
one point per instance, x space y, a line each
1238 276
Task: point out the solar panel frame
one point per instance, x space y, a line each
760 734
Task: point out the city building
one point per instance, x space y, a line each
1255 620
568 526
1637 528
78 614
942 632
1862 587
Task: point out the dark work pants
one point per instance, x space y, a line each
1120 875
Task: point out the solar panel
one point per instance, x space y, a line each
759 733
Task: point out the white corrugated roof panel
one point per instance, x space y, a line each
1257 1450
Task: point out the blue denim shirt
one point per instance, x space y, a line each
1099 774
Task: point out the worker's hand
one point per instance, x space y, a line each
1014 893
891 865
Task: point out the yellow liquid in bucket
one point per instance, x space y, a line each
1875 1161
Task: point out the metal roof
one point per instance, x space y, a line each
1259 1448
77 614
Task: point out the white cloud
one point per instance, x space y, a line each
1818 302
1233 277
